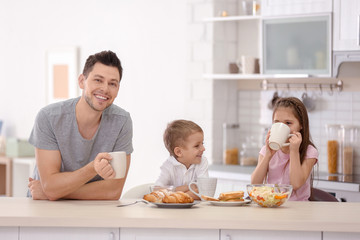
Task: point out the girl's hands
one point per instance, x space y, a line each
269 152
295 141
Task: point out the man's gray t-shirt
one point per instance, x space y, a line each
56 128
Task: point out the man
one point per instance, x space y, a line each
72 138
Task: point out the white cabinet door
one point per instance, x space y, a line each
342 235
22 169
346 25
290 7
9 233
61 233
167 234
268 235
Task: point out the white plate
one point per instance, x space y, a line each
221 203
175 205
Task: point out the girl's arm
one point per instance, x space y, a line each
299 173
260 172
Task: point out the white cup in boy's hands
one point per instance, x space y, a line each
118 163
206 186
279 134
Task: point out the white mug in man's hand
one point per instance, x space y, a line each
279 134
206 186
118 163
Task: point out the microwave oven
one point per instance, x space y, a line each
297 45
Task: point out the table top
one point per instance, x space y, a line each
292 216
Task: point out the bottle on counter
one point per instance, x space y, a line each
333 139
349 138
231 143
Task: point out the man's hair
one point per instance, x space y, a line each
107 58
177 132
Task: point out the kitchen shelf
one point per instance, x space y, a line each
232 18
226 76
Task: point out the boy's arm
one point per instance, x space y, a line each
185 189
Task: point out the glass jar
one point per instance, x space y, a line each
249 153
231 143
349 137
333 138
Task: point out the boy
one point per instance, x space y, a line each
184 141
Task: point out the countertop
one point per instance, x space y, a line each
321 179
297 216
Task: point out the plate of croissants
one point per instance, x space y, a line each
234 198
164 198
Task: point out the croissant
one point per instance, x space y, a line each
156 196
164 196
178 197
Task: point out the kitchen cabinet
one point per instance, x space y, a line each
340 235
22 169
346 25
291 7
260 235
168 234
9 233
5 176
60 233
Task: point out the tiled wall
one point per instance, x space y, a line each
214 102
339 108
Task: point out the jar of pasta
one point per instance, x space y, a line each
333 144
349 138
231 143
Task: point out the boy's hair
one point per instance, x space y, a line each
299 111
177 132
107 58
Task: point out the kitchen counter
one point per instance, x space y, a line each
292 216
322 180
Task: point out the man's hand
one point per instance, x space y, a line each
36 190
103 167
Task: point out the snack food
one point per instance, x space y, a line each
234 196
267 196
165 196
207 198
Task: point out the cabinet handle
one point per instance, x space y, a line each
227 237
111 236
358 30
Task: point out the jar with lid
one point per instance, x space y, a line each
349 138
231 143
333 139
249 152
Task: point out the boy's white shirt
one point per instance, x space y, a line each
174 173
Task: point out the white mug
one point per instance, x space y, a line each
118 163
247 64
206 186
279 134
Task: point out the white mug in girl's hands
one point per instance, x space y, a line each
118 163
279 134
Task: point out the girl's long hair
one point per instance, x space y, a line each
299 111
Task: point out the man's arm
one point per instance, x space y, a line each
56 184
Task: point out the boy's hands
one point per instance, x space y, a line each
103 167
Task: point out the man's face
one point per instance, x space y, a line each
101 86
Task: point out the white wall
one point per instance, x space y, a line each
149 38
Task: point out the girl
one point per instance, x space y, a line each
291 164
